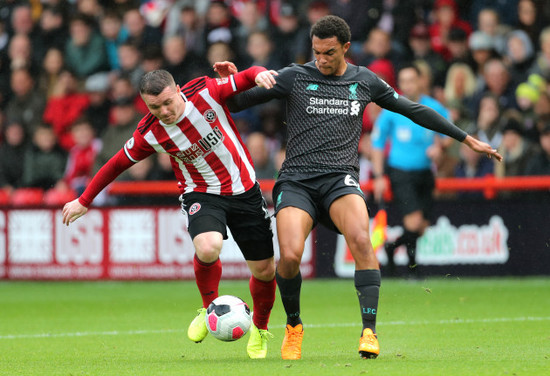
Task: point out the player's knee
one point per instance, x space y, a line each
208 248
360 241
290 257
264 272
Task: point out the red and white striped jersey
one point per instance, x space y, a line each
207 153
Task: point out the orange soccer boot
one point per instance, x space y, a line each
292 343
368 345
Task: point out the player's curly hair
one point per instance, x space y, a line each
154 82
331 26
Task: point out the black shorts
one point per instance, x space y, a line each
314 193
246 216
412 190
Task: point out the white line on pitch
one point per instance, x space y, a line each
327 325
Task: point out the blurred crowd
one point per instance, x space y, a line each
69 71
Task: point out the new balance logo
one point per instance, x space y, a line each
312 87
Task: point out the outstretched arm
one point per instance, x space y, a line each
114 167
431 119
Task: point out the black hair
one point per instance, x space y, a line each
331 26
154 82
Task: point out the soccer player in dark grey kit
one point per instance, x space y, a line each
318 181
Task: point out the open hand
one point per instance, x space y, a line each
225 68
482 147
72 211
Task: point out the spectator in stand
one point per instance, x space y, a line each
122 88
527 95
420 45
489 122
120 129
12 156
53 31
20 54
221 26
152 59
482 49
139 33
81 158
539 163
446 17
377 47
52 66
22 22
519 56
472 165
65 105
497 81
542 63
45 161
221 51
515 149
457 45
460 85
186 23
85 52
129 58
97 87
27 104
530 18
256 143
506 10
90 8
114 35
361 16
384 69
251 21
290 37
488 21
184 65
261 51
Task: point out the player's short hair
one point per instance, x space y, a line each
154 82
331 26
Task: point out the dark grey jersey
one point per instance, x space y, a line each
325 113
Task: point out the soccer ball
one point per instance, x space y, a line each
228 318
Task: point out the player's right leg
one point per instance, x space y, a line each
293 227
208 271
206 225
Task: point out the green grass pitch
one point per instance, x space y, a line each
440 326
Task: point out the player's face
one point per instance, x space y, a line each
329 54
168 106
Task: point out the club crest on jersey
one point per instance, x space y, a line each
194 208
210 115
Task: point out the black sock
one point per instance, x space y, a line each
412 238
290 295
367 286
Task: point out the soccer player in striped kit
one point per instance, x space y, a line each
216 178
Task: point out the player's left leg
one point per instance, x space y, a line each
262 289
349 214
250 224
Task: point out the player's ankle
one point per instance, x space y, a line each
293 321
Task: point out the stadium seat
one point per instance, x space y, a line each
27 197
56 197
